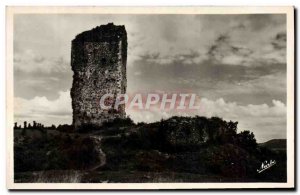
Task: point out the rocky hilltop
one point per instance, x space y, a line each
179 149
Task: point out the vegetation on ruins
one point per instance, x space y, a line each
186 146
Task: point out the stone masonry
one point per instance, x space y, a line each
98 60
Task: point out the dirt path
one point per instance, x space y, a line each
101 154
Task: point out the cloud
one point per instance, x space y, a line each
31 61
38 75
258 83
179 43
279 41
258 90
228 51
238 58
267 122
43 110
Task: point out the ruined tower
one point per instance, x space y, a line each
98 60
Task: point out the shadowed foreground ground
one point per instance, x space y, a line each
180 149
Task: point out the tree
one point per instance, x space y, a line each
246 140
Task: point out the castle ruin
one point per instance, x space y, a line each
98 60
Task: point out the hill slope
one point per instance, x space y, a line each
275 144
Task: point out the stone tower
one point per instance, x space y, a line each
98 60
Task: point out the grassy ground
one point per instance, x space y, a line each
122 177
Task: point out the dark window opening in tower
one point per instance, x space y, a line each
103 61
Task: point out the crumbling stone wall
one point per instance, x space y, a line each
98 60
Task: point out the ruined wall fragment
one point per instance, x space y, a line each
98 60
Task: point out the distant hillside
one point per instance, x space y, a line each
275 144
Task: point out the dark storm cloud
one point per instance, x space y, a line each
221 40
279 41
241 51
223 46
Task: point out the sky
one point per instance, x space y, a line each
236 64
